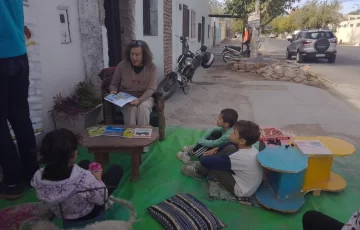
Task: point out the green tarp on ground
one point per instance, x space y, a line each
160 178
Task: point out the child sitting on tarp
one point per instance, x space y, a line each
72 191
212 138
236 166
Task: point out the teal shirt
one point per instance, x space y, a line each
12 38
215 143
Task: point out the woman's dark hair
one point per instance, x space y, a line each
248 130
146 52
229 116
57 148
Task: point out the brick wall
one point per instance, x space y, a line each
167 36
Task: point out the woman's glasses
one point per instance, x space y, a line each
138 82
138 42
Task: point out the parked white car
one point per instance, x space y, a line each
289 37
272 36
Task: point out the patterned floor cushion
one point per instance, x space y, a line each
184 212
18 216
218 192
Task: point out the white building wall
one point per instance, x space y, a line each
201 8
62 65
156 43
349 31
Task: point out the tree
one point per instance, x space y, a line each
355 12
236 25
269 9
216 7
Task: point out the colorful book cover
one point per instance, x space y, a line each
113 131
120 99
96 131
138 133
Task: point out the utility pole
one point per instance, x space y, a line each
255 30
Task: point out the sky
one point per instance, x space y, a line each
348 5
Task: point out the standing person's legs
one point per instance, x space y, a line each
314 220
144 111
19 117
9 158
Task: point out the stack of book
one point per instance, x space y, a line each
120 132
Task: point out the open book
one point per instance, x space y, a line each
312 147
120 99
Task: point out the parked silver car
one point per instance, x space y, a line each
312 44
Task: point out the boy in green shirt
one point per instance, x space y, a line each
213 138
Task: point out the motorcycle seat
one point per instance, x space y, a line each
237 48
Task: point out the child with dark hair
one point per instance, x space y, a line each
314 220
71 191
212 138
236 166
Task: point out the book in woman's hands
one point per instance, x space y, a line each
120 99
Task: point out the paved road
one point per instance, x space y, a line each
344 73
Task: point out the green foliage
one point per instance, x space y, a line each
269 9
237 25
312 15
216 7
86 96
355 12
83 100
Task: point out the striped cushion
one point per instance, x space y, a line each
184 212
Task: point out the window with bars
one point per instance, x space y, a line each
199 32
193 24
150 17
186 21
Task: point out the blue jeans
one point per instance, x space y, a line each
14 107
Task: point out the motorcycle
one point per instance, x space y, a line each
233 52
183 73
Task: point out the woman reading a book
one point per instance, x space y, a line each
136 75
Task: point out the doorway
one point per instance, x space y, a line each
112 24
203 30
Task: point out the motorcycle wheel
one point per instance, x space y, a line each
167 86
227 56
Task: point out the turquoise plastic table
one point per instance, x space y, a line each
283 178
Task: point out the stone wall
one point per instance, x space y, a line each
167 36
279 71
90 19
127 22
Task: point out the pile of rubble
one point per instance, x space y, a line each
245 66
279 71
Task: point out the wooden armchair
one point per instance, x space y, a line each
112 113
